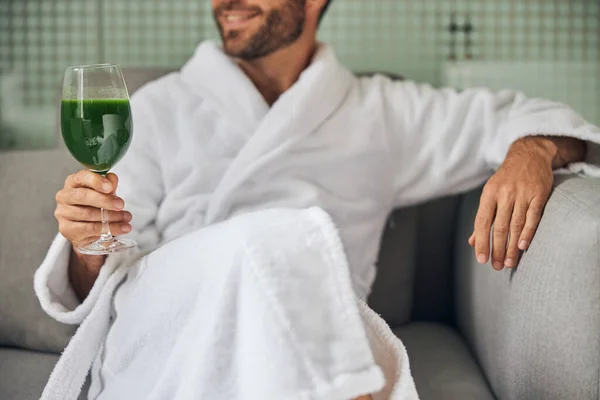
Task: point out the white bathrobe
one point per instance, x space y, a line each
207 148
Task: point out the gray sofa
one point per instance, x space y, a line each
471 332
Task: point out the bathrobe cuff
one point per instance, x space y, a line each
590 166
53 288
570 125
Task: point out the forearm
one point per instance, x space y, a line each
83 272
558 150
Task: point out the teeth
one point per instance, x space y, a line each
234 18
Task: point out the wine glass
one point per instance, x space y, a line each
97 129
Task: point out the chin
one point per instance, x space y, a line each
234 46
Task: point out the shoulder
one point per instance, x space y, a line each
380 80
160 99
381 88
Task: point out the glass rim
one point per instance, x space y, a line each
92 66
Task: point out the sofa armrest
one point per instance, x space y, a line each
535 330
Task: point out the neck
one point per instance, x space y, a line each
274 74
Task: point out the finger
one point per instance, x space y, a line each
534 215
483 223
472 239
89 214
500 234
91 180
80 231
517 223
114 180
89 197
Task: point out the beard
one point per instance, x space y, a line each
281 27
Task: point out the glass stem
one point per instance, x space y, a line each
105 236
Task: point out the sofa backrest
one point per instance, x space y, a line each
28 183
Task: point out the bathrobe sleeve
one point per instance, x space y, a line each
445 142
141 186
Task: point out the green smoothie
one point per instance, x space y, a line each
97 132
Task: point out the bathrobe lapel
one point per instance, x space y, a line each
272 132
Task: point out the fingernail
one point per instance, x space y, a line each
128 216
118 204
126 227
481 258
106 186
497 265
509 262
522 245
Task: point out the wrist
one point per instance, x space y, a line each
91 264
539 147
560 150
83 271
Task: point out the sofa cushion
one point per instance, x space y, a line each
23 373
441 364
28 183
416 260
434 269
392 292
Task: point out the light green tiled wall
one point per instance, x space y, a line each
403 36
39 38
410 36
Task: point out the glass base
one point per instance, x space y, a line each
104 247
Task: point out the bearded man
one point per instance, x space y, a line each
257 186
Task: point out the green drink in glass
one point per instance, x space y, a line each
97 129
100 139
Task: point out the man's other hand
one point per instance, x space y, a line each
512 202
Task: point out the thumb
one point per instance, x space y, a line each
114 180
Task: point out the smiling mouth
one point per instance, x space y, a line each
236 19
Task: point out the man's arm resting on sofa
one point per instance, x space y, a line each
514 198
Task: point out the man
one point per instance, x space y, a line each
272 120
